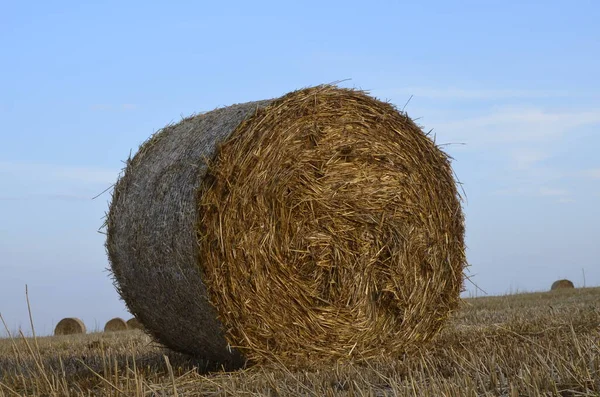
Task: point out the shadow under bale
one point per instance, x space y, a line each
323 225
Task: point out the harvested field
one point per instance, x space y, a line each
531 344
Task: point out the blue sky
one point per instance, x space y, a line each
511 86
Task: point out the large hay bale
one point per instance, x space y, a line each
321 225
134 323
115 324
70 326
561 284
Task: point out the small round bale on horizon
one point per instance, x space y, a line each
562 284
115 324
323 225
70 326
134 323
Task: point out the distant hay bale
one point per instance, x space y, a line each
562 284
115 324
134 323
69 326
323 225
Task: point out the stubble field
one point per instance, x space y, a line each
529 344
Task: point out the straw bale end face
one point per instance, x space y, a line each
134 323
323 225
562 284
115 324
69 326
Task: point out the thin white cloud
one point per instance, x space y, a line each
566 200
510 191
553 192
92 175
523 159
513 125
103 107
58 172
57 197
100 107
469 94
535 191
593 173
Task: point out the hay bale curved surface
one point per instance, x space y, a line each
329 227
115 324
134 323
70 326
562 284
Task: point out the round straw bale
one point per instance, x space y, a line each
134 323
69 326
115 324
322 225
561 284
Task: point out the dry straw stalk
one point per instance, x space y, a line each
323 225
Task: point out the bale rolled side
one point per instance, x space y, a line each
70 326
162 283
321 225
